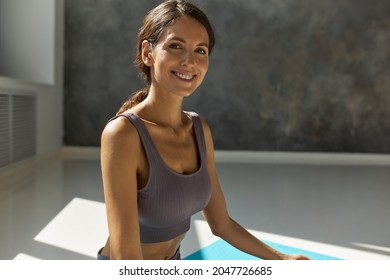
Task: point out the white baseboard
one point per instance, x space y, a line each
69 152
263 157
93 153
301 158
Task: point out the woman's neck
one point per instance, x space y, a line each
163 109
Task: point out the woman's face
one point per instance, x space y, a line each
179 60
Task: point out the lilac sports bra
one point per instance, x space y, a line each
169 199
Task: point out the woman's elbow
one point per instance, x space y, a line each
220 228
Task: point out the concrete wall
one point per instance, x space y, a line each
286 75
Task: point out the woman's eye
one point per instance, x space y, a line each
201 51
175 46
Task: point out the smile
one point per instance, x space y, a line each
183 77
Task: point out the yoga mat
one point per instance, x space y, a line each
221 250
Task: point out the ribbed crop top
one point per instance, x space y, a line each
169 199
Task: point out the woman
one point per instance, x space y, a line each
157 160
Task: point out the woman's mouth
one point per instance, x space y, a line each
183 76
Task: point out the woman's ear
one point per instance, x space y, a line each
147 57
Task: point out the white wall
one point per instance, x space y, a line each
27 40
49 94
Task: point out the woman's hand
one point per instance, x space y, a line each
296 257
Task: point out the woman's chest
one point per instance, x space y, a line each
179 151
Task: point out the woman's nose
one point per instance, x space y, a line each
188 58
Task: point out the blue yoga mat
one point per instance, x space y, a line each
221 250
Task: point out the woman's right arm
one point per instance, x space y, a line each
120 155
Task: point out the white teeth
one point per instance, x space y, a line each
184 77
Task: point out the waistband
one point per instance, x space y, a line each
176 256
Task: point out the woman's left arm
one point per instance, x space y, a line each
223 226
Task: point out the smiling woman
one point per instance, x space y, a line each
155 25
179 60
157 160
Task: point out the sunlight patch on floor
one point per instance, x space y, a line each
80 227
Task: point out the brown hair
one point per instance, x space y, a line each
151 30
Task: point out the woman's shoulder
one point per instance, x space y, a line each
205 125
193 114
120 129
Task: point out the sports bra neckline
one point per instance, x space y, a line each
158 155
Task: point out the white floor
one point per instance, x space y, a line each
54 209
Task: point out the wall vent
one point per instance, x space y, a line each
17 126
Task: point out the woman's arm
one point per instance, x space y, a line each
120 154
222 225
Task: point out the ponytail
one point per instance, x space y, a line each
133 100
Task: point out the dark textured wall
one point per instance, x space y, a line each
286 75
